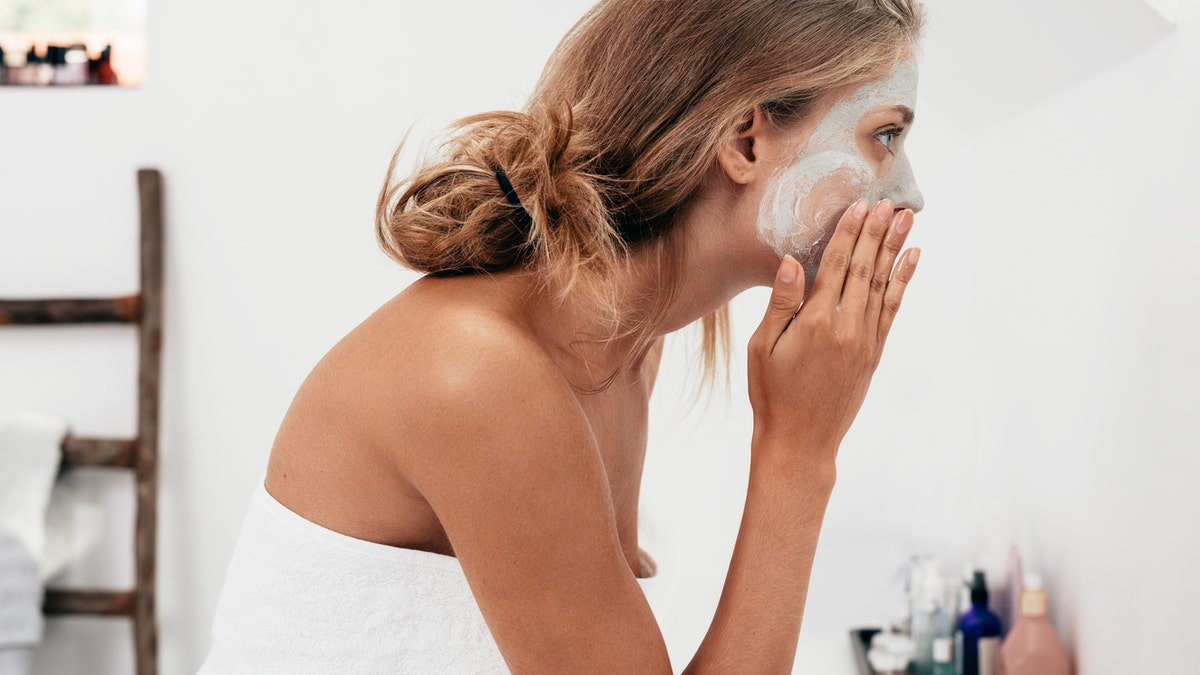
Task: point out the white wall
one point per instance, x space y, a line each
1037 386
1090 379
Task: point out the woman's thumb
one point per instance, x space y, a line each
786 296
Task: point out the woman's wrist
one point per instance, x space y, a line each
795 463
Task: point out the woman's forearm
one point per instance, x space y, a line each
809 366
757 622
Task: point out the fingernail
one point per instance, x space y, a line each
787 269
903 221
883 209
914 257
860 209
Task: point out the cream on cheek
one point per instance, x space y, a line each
802 204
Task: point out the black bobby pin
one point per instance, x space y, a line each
526 221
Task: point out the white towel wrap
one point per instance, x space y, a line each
299 599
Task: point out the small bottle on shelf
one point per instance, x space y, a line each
979 631
104 69
41 68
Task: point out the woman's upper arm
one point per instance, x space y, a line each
509 466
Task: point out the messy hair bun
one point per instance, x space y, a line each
454 217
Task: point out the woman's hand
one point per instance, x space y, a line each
809 369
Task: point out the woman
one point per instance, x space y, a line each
455 486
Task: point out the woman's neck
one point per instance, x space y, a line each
694 270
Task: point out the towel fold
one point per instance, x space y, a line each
20 595
20 606
29 456
30 449
74 524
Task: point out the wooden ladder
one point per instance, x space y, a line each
138 454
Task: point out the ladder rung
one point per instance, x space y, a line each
111 452
125 309
99 603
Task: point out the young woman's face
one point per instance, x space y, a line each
856 152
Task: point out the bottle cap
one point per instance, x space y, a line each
1033 598
979 591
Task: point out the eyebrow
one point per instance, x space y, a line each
906 113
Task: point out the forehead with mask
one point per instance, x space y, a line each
803 202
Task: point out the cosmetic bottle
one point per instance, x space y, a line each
34 69
1032 646
16 68
58 66
104 70
934 607
13 68
75 65
979 632
44 71
1011 608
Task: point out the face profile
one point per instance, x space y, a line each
856 152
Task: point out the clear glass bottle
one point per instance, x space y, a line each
934 608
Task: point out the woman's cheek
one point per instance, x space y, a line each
801 209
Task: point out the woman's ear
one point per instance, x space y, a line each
738 155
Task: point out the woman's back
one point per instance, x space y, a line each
347 452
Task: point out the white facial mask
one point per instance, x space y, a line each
803 203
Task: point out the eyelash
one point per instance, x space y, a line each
894 132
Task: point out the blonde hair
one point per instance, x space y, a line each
620 135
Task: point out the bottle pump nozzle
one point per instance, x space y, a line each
979 591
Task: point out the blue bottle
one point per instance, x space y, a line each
980 632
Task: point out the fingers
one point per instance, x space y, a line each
786 296
861 272
831 276
892 243
895 291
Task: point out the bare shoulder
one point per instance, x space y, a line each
440 360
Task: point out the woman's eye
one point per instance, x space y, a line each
888 138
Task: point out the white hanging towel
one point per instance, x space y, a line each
300 599
30 449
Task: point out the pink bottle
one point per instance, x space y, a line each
1032 647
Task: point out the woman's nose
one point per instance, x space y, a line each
912 200
902 188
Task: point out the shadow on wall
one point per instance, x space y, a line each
986 60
